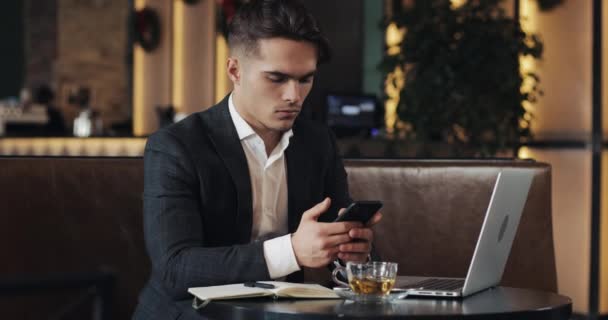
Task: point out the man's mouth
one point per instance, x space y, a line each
287 113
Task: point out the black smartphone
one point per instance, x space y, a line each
360 211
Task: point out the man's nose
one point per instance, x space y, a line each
292 92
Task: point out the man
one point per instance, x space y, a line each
246 190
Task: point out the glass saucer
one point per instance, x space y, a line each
348 294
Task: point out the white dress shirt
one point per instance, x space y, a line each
269 194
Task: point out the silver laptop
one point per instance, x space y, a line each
493 245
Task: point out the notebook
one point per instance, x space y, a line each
204 295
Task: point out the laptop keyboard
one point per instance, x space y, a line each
437 284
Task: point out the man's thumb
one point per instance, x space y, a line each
314 212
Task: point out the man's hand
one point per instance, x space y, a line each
315 244
358 249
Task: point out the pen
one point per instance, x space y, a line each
255 284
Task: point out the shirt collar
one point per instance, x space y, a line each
243 129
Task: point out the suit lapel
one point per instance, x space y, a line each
226 141
297 178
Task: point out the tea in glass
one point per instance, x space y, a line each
381 286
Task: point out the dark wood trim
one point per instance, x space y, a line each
556 144
129 55
596 168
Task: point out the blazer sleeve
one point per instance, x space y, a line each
173 226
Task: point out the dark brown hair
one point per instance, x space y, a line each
264 19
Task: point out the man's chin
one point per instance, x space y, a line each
284 125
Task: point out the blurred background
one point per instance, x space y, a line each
409 79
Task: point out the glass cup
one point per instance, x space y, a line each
370 281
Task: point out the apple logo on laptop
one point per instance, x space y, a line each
503 228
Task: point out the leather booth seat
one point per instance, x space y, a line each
72 215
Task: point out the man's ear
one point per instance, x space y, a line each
233 69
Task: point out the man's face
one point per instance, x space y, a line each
271 84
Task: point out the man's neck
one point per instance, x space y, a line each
271 138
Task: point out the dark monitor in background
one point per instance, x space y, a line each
353 114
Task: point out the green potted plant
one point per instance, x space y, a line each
462 81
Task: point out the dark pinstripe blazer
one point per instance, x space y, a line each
198 204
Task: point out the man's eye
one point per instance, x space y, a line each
277 79
306 80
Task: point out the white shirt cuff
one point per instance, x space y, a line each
279 256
